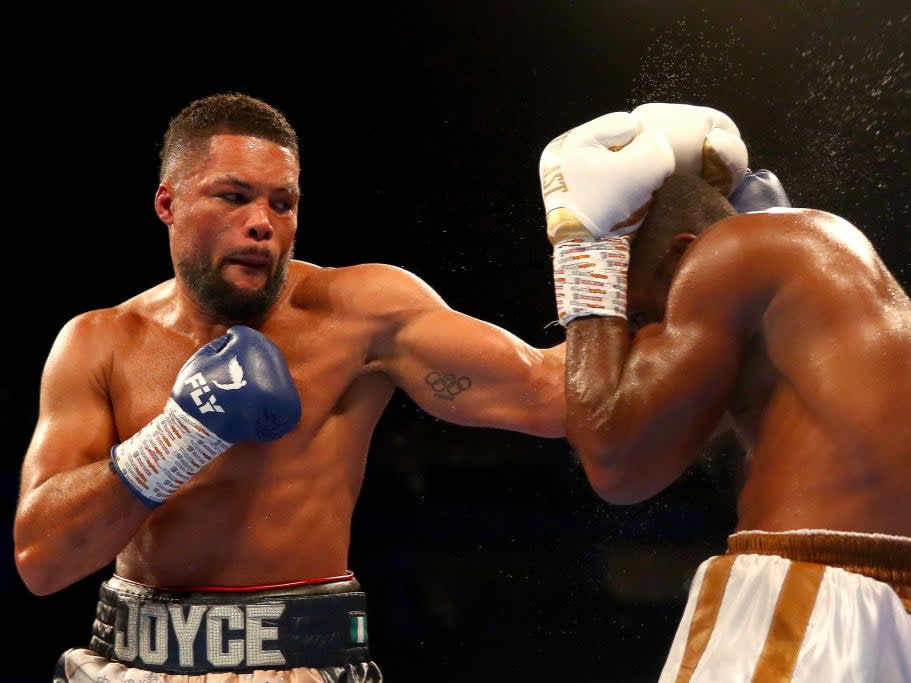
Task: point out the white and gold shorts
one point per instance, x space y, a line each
803 606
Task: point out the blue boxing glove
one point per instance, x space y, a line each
235 388
239 387
759 191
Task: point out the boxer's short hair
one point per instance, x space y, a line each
225 113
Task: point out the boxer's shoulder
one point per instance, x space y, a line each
130 318
778 221
748 260
365 290
779 233
97 332
739 262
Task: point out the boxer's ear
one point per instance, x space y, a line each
678 246
681 243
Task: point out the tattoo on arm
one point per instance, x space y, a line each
446 386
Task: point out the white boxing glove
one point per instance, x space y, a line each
597 179
706 142
597 182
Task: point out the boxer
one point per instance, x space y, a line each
682 311
208 436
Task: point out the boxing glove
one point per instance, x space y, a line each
597 179
597 182
237 388
705 141
759 191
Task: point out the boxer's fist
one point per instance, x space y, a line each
706 142
597 179
239 387
759 191
235 388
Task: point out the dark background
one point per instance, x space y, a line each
484 553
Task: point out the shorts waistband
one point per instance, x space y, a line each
304 624
881 557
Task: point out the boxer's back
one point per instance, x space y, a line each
828 435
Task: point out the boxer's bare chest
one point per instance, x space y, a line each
325 354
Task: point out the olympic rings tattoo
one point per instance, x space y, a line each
447 386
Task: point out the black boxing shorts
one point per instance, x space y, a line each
308 625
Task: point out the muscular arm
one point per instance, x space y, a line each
637 411
73 515
470 372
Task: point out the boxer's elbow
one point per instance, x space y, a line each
38 571
606 469
615 464
40 561
620 485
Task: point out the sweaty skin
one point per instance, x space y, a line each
788 325
260 513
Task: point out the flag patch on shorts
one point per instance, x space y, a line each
358 628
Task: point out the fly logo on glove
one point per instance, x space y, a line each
236 373
201 387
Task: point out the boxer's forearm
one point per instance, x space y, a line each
597 348
73 524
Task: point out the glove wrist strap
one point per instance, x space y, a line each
590 277
163 455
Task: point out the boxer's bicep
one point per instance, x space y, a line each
67 502
679 377
671 395
689 363
471 372
75 424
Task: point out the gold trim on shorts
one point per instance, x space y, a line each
877 556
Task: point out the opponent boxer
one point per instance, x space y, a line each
209 435
680 313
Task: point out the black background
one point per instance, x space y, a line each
484 553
